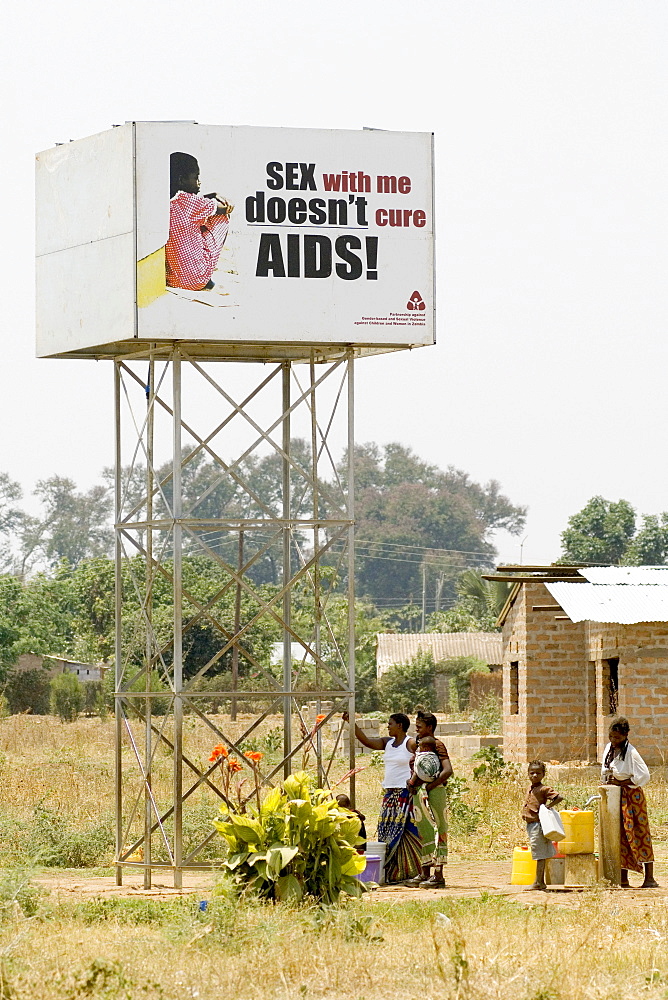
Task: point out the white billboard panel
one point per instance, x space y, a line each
238 235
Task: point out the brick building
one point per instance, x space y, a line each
581 644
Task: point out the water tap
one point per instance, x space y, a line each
592 798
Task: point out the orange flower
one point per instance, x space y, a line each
254 757
233 765
218 751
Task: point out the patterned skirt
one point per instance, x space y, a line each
397 829
636 840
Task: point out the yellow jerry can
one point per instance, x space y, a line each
579 827
524 867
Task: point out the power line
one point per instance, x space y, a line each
373 548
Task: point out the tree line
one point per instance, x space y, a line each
417 526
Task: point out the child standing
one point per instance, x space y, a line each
537 796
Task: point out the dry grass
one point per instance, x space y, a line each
591 947
490 949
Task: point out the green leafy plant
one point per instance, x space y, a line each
273 740
464 818
493 767
298 844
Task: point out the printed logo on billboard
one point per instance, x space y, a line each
416 302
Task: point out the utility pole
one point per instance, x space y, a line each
424 595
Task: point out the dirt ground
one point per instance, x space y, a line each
464 878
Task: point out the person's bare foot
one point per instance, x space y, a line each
651 884
537 885
209 285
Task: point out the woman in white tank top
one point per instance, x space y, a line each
396 824
397 762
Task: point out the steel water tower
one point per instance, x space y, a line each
233 276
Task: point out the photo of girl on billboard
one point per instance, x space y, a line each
198 226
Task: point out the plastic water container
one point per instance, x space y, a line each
378 847
372 871
579 827
524 867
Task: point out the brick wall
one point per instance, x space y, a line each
555 714
642 651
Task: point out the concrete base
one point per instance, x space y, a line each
580 869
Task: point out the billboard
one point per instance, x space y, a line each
173 231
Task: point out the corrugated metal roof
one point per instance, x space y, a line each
618 603
399 648
654 575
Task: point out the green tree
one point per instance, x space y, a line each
11 611
606 532
67 697
599 533
487 596
403 506
74 525
11 517
477 609
650 545
405 686
462 617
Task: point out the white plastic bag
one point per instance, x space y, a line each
550 824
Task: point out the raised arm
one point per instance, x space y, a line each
372 742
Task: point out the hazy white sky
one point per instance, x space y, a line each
550 122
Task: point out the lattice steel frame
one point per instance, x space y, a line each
155 528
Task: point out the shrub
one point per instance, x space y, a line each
405 686
464 818
28 691
299 844
487 717
459 670
17 892
493 767
55 843
67 697
159 706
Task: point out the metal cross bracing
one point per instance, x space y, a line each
209 545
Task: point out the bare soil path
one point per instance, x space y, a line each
464 879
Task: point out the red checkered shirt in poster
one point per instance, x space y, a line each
196 238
